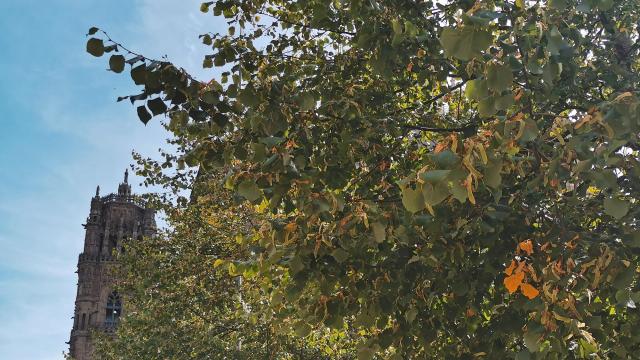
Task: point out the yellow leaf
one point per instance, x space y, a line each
513 282
521 130
529 291
469 184
430 209
483 153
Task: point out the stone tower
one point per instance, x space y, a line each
113 220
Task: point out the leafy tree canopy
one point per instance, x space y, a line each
450 179
180 304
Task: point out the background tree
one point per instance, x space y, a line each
453 179
180 304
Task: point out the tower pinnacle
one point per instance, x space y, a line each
125 189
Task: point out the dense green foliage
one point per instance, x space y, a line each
449 179
181 305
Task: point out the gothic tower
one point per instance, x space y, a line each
113 220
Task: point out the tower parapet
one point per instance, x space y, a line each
113 220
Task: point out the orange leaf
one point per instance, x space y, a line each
509 270
513 282
518 95
529 291
526 246
440 147
290 227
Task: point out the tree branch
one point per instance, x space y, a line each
341 32
464 128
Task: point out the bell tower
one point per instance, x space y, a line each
113 220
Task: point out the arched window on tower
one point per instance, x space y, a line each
114 309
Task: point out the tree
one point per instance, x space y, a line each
454 179
180 303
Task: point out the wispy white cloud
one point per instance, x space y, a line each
89 138
177 24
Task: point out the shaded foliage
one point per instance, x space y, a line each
449 179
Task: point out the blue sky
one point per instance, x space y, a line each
61 134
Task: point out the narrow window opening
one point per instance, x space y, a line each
114 309
84 318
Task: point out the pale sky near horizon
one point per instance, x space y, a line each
61 134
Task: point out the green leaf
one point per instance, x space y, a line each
204 7
605 5
410 315
588 347
249 97
504 102
139 74
306 101
412 199
435 194
211 97
95 47
624 278
530 131
499 77
633 240
92 30
396 26
365 353
459 192
523 355
615 207
116 63
531 341
295 265
446 159
555 42
271 141
157 106
143 114
487 107
558 4
340 255
379 232
434 176
476 89
249 190
466 42
492 175
302 329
